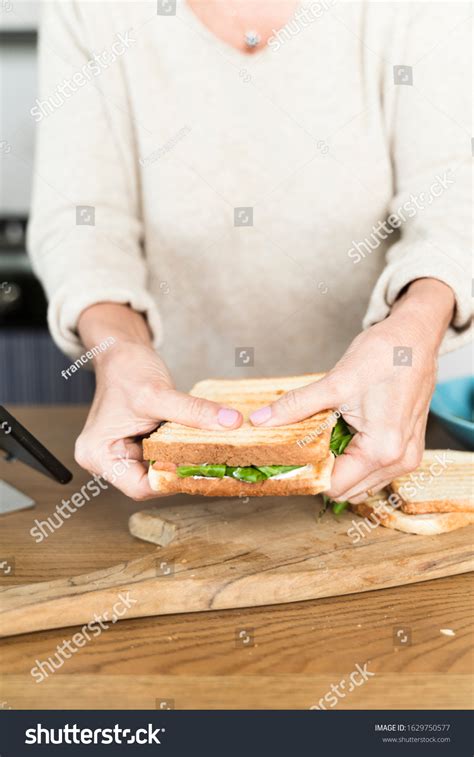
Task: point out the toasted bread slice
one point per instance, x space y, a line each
314 479
443 483
296 444
379 510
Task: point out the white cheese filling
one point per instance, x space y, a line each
292 473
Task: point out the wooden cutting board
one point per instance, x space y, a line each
217 554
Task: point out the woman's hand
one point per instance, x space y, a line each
134 393
385 379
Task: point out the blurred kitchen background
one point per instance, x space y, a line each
30 364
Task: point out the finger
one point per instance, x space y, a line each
119 465
364 457
134 483
122 466
406 458
138 488
356 499
350 469
171 405
382 478
406 461
371 484
297 405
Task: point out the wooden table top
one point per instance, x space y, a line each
192 661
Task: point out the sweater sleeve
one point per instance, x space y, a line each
85 232
426 106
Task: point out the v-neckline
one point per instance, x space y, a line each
200 27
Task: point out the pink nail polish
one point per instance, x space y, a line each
227 417
261 416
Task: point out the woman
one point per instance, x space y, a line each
264 174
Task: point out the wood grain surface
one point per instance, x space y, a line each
293 653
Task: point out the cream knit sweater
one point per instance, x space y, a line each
153 135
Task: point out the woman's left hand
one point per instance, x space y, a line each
385 380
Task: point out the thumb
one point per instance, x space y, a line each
297 405
170 405
120 465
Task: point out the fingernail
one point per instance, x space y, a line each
227 417
261 416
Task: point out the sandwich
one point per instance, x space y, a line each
294 459
436 498
379 510
451 490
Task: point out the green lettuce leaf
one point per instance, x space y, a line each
337 507
249 473
340 437
214 471
276 470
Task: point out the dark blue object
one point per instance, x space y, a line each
30 371
453 405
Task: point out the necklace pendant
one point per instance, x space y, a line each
252 38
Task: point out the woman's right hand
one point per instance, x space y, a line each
134 393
